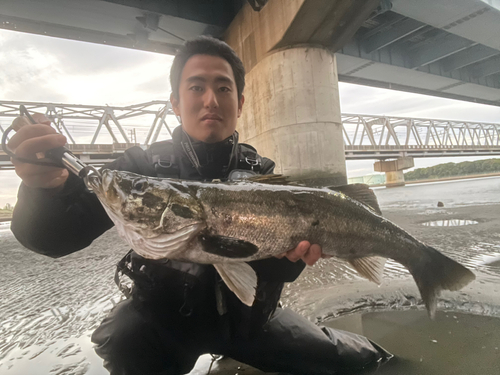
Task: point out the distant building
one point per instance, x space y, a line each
372 179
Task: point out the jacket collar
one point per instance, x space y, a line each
211 160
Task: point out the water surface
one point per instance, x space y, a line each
454 343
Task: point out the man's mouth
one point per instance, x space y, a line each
211 117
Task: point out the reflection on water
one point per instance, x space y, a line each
452 193
4 226
449 223
454 343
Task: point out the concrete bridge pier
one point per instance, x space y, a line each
292 109
393 169
292 114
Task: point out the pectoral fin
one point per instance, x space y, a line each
227 246
370 267
240 278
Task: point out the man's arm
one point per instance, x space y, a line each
55 214
57 223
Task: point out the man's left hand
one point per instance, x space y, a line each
305 251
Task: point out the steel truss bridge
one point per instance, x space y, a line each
99 134
387 137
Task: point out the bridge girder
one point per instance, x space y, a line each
429 54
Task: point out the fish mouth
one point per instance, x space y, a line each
106 179
111 196
99 183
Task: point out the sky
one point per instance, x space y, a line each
46 69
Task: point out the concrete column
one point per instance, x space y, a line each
393 169
292 114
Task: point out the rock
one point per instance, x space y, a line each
440 204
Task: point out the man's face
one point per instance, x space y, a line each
208 102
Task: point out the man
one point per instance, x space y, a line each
178 311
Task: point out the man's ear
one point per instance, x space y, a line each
175 105
240 105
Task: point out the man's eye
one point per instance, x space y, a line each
196 88
225 89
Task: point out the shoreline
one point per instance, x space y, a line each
454 178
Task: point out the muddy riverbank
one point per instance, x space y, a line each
49 307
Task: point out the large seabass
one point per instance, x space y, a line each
228 224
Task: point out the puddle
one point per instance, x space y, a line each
449 223
454 343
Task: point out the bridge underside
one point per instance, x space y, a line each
157 26
431 47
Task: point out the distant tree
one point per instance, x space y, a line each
454 169
8 207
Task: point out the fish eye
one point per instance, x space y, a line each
140 185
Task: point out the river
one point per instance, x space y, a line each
49 307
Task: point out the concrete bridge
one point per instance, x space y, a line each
295 52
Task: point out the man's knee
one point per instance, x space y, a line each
130 343
119 328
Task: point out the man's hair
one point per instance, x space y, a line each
206 45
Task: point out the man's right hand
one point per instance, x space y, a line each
30 140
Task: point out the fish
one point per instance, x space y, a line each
228 224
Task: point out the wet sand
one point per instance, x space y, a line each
49 307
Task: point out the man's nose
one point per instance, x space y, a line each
210 99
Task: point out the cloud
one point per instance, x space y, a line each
359 99
156 86
8 188
25 70
45 69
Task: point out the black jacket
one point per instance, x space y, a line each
62 223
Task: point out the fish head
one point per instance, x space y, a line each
149 206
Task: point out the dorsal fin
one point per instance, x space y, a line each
273 179
360 192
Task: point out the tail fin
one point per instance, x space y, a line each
436 274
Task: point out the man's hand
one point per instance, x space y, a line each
27 142
305 251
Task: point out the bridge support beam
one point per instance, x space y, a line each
292 109
393 169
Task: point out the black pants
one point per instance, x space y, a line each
134 341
